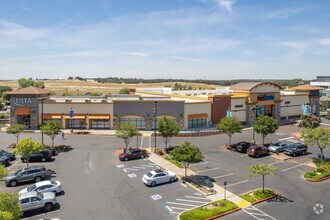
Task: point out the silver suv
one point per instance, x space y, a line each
37 200
33 173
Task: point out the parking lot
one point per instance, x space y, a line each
97 185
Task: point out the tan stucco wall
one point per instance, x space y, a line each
196 108
295 104
241 115
78 108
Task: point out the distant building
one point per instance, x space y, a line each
192 109
324 82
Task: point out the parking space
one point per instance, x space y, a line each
173 198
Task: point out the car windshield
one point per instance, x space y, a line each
149 174
53 182
18 172
40 195
31 188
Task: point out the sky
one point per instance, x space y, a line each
181 39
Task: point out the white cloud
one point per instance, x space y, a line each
284 13
325 42
138 54
227 4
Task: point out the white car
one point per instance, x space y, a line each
37 200
44 186
155 177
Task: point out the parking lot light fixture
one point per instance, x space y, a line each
254 109
155 122
42 118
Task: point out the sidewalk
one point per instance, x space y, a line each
180 172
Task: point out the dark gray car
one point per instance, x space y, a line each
33 173
296 149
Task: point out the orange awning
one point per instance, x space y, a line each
75 117
99 117
23 111
203 115
51 116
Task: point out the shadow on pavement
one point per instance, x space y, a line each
280 198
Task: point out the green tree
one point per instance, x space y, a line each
124 91
5 215
319 137
168 128
51 129
16 129
23 83
265 125
309 121
230 126
263 170
9 204
126 131
3 172
26 147
187 154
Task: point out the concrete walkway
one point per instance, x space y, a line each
180 172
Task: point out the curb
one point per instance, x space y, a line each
315 181
265 199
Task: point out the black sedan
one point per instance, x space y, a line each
42 156
11 156
4 160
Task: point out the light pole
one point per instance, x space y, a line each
254 109
155 122
42 118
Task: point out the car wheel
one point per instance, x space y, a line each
13 183
37 179
142 156
24 160
294 154
126 158
43 159
172 179
153 183
257 155
304 152
48 206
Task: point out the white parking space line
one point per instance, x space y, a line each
216 168
147 165
176 203
128 169
299 165
136 167
197 164
244 155
292 140
11 166
178 208
325 124
276 162
194 197
233 184
186 200
176 212
229 174
256 213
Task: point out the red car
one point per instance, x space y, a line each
133 154
257 151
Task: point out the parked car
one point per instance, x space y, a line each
296 149
11 156
133 154
242 146
257 151
155 177
32 173
4 160
42 156
277 147
51 150
37 200
44 186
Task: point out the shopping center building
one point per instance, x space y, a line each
193 109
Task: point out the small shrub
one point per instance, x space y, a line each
159 151
320 170
259 194
248 198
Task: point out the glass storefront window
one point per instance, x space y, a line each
100 124
138 122
197 123
77 123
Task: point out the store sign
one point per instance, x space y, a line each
23 102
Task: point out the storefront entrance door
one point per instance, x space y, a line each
23 119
